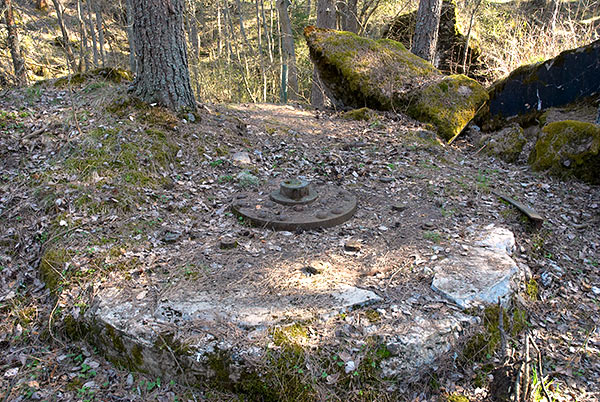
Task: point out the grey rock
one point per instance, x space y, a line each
481 276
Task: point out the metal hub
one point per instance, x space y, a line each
297 204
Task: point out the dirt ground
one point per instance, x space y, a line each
104 192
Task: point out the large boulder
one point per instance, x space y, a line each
382 74
530 89
569 148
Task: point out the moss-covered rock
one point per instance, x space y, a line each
382 74
507 144
568 148
362 114
361 71
449 104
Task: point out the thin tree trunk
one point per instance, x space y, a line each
220 31
242 30
193 38
90 21
426 29
468 39
325 19
99 24
261 59
65 35
289 55
349 16
132 66
13 43
268 33
162 66
84 60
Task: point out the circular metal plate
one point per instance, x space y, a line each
332 207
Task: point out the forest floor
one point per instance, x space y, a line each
92 184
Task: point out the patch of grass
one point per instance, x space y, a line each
433 236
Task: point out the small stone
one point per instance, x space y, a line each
227 243
171 237
386 179
596 290
241 159
298 208
350 366
399 207
317 267
337 211
129 381
428 226
352 245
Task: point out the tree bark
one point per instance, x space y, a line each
349 15
99 24
13 43
84 60
162 75
65 35
132 66
325 19
90 22
289 56
426 29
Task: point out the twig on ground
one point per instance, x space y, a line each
539 369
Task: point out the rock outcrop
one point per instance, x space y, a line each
529 90
482 274
382 74
569 148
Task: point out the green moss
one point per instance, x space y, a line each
52 266
372 315
136 354
289 335
449 104
115 75
457 398
532 289
362 114
569 148
377 70
116 340
483 345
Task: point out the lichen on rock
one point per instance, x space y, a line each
568 148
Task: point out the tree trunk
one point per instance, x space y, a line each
90 22
65 35
99 24
132 66
13 43
325 19
193 38
289 70
162 67
426 29
84 60
348 15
